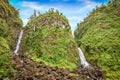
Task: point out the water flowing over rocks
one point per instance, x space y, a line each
87 70
84 63
18 43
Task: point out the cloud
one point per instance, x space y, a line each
32 5
74 12
37 6
74 18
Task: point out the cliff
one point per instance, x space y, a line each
99 37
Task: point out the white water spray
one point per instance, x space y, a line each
18 43
82 58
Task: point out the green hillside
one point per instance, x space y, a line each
48 38
99 37
10 24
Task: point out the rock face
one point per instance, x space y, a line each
45 39
10 24
99 36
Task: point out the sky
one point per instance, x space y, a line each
74 10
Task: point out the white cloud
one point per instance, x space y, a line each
74 18
74 13
27 9
37 6
32 5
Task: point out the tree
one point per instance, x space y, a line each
57 12
102 3
34 14
39 13
31 17
109 1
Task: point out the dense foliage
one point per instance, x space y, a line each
9 26
50 18
6 69
10 23
99 37
51 44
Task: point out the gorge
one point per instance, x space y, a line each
45 50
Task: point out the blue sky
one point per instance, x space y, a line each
74 10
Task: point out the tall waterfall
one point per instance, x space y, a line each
82 58
18 43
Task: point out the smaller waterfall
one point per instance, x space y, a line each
82 58
18 43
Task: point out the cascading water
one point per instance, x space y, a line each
18 43
84 63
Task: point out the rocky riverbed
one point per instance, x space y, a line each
27 69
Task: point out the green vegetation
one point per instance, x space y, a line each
51 44
99 37
9 22
50 18
9 26
6 69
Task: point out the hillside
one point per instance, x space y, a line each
48 38
99 37
10 24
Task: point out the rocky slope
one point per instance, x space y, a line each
10 24
27 69
47 38
99 36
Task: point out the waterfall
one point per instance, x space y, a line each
82 58
18 43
